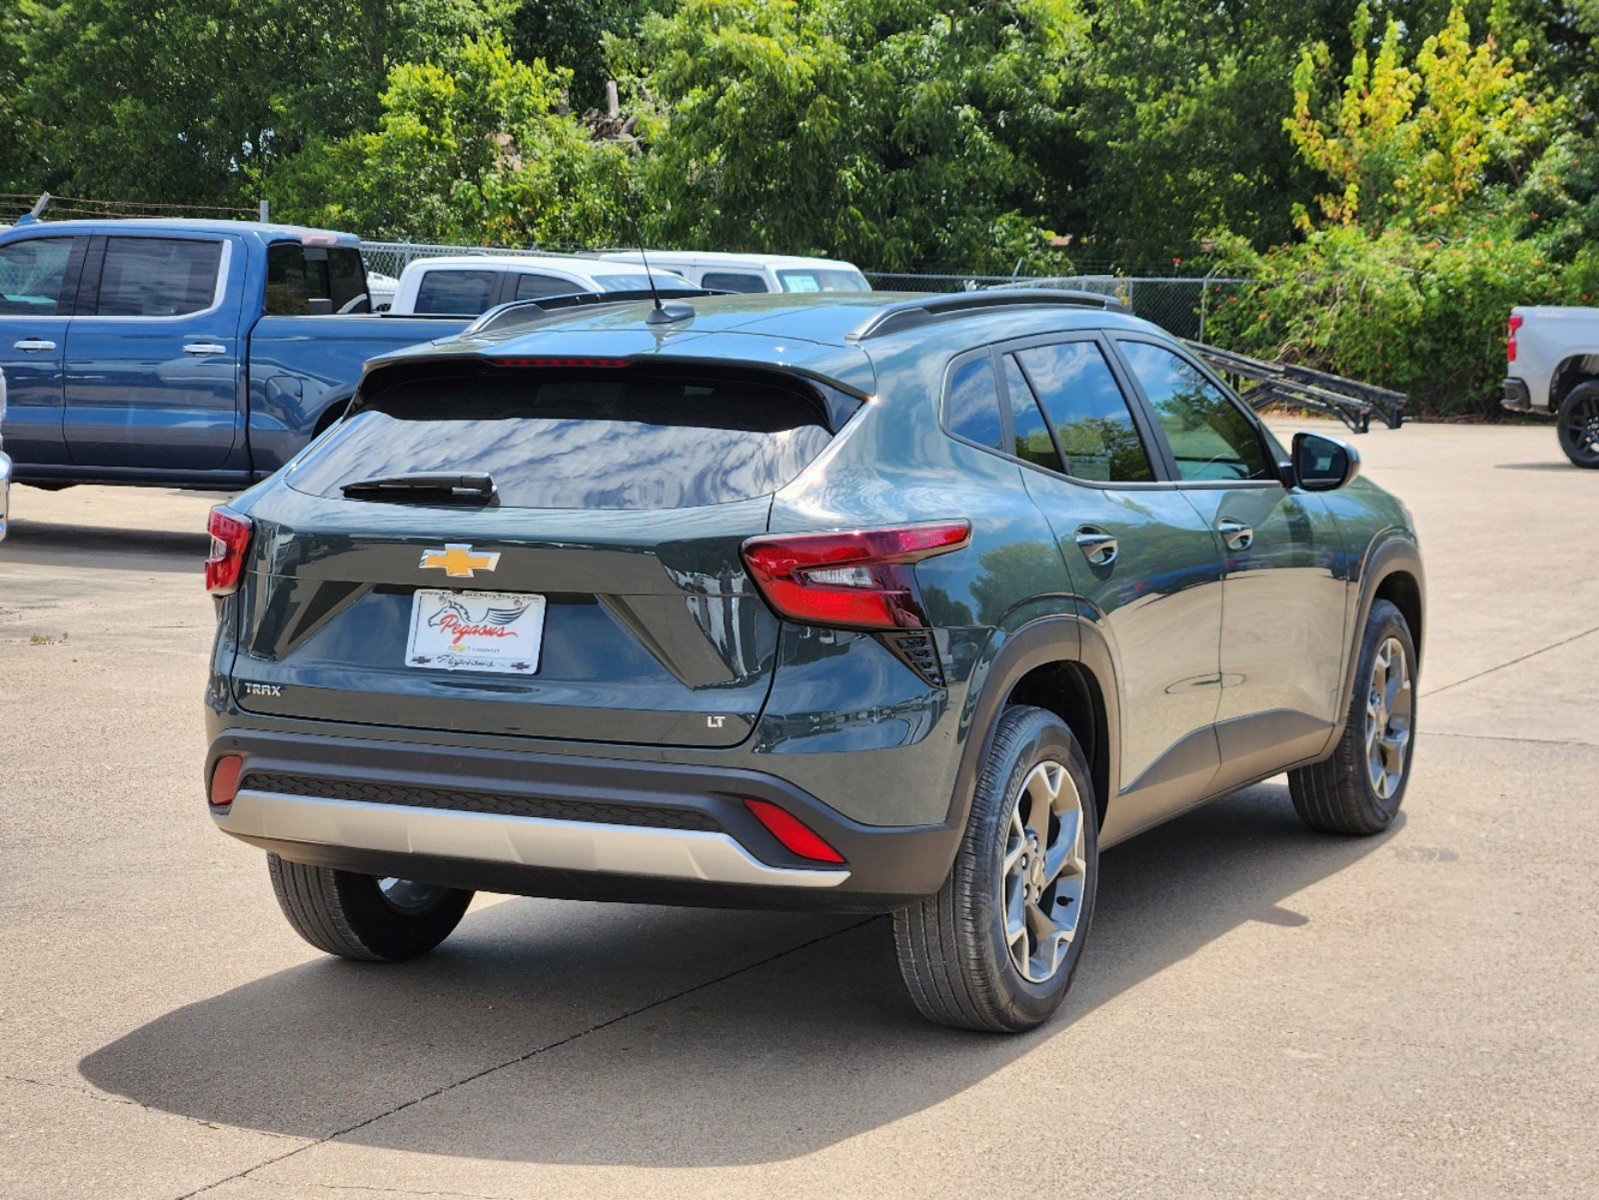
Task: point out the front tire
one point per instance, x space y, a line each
1578 426
364 918
1359 789
996 947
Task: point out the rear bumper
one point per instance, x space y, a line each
1517 398
554 825
5 494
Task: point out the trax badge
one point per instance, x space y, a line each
458 561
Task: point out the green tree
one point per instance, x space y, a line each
198 101
1414 144
472 151
898 132
572 33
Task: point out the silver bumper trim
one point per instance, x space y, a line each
5 477
525 841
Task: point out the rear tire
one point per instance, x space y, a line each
1578 425
996 947
363 918
1360 788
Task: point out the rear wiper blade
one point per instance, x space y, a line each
477 488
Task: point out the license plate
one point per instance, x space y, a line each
498 632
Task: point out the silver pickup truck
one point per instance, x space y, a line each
1554 371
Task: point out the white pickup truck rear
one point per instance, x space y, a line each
1553 370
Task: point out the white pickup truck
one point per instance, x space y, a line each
1554 371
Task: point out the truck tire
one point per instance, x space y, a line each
1578 425
996 947
1359 789
363 918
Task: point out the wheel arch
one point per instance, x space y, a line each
1061 664
1392 572
1572 371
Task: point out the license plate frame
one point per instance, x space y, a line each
490 633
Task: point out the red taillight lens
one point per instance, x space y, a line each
856 580
795 835
1510 338
230 538
562 361
225 780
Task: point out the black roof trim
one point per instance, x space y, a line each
908 314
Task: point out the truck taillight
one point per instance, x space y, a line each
861 579
230 538
1510 338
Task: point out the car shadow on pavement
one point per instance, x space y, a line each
777 1058
61 545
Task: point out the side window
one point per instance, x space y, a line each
1092 422
1032 441
733 281
297 275
158 277
456 293
33 277
534 287
971 404
1209 436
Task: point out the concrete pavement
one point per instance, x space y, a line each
1262 1011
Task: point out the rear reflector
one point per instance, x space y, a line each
230 538
225 780
856 580
795 835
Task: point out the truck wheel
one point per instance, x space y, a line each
1359 789
996 947
360 917
1579 425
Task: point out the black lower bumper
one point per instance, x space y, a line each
563 826
1516 396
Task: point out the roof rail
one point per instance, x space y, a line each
907 314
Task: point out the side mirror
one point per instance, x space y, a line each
1323 464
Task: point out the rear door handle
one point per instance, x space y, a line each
1098 547
33 344
1236 534
205 348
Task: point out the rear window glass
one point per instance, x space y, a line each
568 440
1031 440
533 287
640 282
971 406
456 293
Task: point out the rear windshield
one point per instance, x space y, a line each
570 440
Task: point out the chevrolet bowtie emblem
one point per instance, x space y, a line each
458 561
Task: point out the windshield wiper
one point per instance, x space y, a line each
447 489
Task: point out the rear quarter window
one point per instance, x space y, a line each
614 439
456 293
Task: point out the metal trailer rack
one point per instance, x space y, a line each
1352 402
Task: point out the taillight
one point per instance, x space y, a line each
796 836
856 580
1510 338
230 538
225 780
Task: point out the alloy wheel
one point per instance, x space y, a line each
1581 428
1389 705
1044 871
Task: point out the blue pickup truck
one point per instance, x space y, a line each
180 353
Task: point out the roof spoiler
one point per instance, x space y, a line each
515 313
908 314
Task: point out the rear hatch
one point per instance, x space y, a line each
598 595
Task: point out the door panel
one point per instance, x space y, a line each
1284 605
1142 560
152 377
38 278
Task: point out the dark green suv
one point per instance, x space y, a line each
907 604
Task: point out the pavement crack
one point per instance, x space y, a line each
1506 737
1576 637
522 1058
